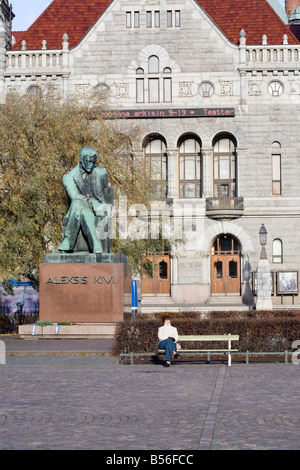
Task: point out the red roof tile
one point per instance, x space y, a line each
18 35
255 17
76 17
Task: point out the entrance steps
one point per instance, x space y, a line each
225 300
154 304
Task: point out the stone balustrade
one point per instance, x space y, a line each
34 59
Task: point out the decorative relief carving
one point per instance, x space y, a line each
153 2
185 89
226 88
206 89
295 87
122 90
254 87
82 89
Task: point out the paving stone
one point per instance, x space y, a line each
91 401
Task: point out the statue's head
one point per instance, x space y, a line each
88 157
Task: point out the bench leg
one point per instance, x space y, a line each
229 360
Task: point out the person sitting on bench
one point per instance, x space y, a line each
168 335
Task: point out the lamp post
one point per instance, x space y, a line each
263 241
264 292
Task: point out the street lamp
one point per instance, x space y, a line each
263 241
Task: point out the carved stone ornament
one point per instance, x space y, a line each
185 89
226 88
295 87
122 90
254 87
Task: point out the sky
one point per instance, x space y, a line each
27 11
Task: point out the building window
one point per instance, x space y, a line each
276 169
156 166
157 82
275 88
153 19
128 19
140 98
153 64
149 19
206 89
153 90
277 251
224 168
136 19
173 18
167 90
34 91
190 168
157 19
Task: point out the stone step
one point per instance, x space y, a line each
225 300
157 300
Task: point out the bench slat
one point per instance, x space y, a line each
162 351
208 338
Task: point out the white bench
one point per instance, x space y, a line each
209 338
195 338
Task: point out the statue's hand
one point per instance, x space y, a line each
96 205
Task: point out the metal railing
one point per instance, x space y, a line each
225 203
208 355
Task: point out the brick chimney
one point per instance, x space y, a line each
290 6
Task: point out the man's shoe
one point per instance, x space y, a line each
98 248
168 364
65 245
176 355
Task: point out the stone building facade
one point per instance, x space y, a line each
215 90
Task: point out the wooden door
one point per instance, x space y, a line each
225 266
156 275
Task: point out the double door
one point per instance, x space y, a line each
156 275
225 267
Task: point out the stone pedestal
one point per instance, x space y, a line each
264 288
84 288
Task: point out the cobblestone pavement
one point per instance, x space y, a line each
90 401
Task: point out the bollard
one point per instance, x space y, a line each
2 353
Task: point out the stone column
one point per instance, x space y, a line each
243 73
172 173
264 288
65 64
207 172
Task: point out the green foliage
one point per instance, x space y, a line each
44 323
272 333
41 137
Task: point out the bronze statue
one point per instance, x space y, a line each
88 192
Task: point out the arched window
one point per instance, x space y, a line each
140 85
224 168
190 168
276 169
153 64
154 85
156 166
277 251
34 91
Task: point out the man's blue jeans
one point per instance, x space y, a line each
169 346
